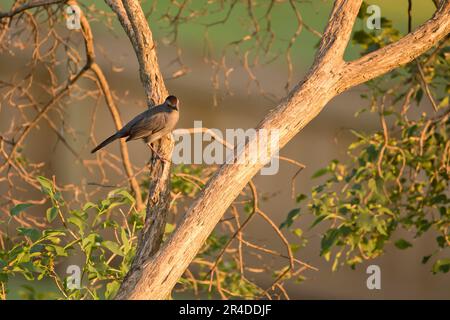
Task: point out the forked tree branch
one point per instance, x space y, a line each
328 77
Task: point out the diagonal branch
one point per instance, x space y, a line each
399 53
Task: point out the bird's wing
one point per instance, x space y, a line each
126 129
148 125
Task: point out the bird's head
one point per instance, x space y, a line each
172 102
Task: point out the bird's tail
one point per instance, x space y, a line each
106 142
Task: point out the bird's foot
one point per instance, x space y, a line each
155 153
162 158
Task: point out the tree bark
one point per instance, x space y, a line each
329 76
132 18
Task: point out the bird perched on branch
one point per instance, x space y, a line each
150 125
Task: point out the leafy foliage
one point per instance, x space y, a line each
397 177
92 232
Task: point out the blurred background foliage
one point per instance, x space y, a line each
393 178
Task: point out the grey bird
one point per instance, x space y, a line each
150 125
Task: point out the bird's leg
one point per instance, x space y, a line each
156 153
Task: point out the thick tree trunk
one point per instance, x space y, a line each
156 275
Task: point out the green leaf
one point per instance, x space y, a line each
320 173
292 215
33 234
294 247
402 244
47 185
77 221
113 247
419 96
365 221
442 242
298 232
111 289
425 259
51 214
372 184
127 195
361 37
359 112
301 197
89 243
442 265
318 220
329 240
14 211
60 251
169 228
89 205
